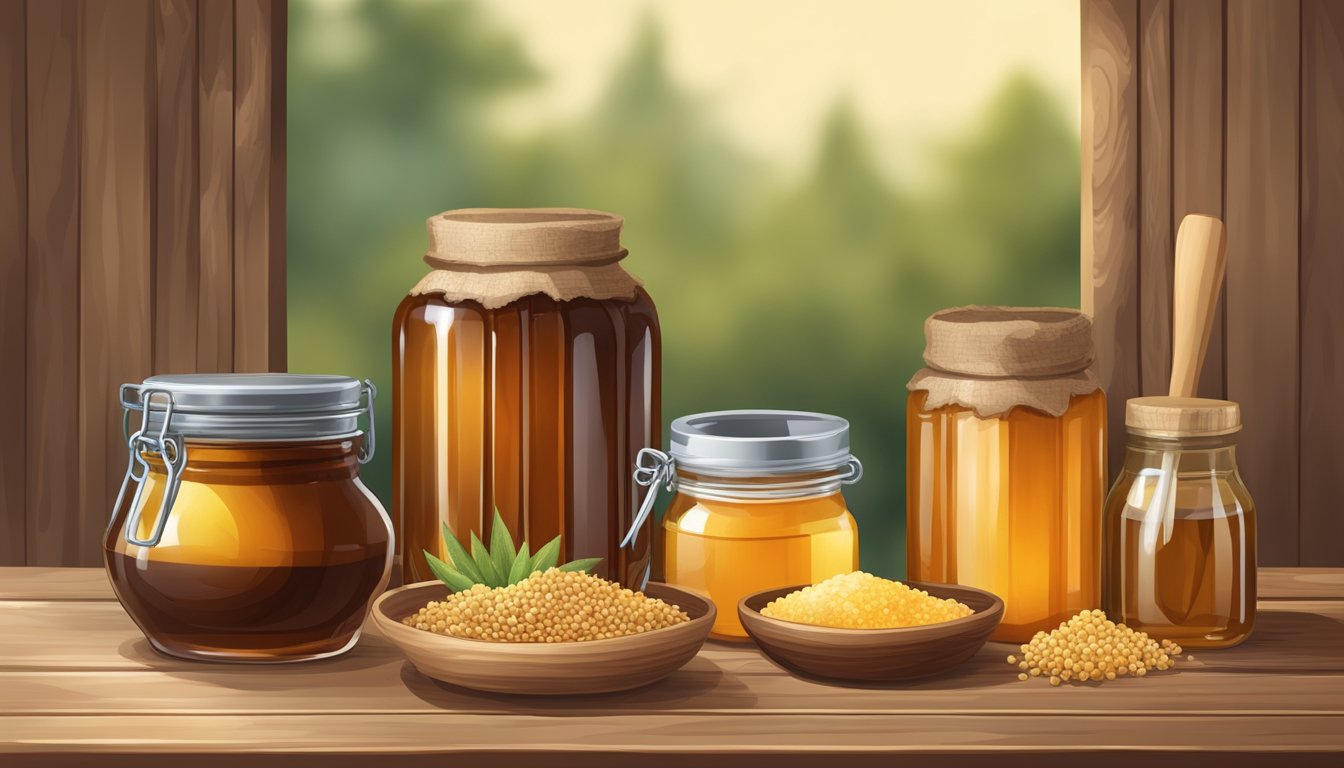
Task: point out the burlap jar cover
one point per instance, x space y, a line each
495 256
993 359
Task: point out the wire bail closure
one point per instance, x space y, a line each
170 446
652 468
367 392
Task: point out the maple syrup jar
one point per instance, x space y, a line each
242 531
525 379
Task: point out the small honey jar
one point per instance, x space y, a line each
242 531
1179 526
757 504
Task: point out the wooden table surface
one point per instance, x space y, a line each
79 685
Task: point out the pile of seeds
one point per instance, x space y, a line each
861 600
551 606
1091 647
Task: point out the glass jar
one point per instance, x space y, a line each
1179 526
757 505
242 531
526 378
1006 462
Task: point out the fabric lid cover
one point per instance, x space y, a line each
993 359
498 255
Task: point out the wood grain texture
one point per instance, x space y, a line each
214 314
1110 196
90 584
706 739
1292 635
54 526
117 196
1155 212
116 246
1262 272
176 212
391 686
1322 282
13 277
100 692
258 193
54 583
1303 583
1197 112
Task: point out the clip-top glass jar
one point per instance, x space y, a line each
1179 527
757 504
242 531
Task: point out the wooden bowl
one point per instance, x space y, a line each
545 669
874 655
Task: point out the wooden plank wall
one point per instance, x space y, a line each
1233 108
142 228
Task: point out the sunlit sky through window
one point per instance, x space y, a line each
913 68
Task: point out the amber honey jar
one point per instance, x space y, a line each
1006 462
526 378
757 504
242 531
1179 526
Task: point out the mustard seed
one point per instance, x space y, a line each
860 600
1090 647
548 607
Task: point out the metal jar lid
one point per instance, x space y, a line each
746 443
234 407
251 406
733 445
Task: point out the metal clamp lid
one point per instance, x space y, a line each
654 468
231 407
368 392
167 444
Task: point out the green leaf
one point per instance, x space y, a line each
547 556
585 564
447 574
458 553
490 576
522 565
501 545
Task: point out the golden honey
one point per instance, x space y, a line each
1010 505
731 548
1006 462
758 504
1185 570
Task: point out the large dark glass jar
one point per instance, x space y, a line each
526 378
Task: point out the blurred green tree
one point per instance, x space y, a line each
806 293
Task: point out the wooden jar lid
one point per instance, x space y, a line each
1182 416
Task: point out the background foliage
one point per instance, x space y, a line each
773 291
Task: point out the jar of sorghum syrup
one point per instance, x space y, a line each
526 377
242 531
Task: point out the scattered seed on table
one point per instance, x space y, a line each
1090 647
